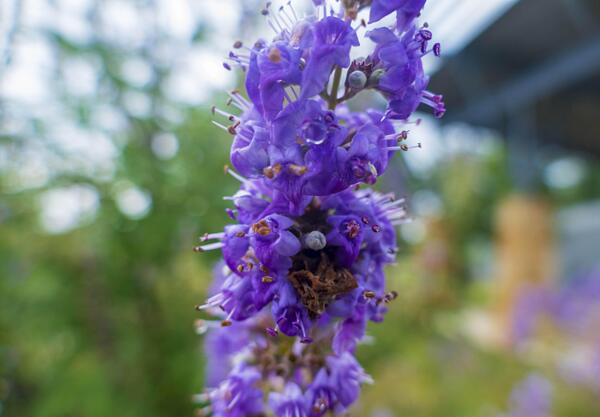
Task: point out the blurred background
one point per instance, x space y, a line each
110 169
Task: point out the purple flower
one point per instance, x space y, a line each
272 69
347 235
398 71
333 39
531 398
220 344
288 403
290 315
347 376
406 10
238 395
303 263
321 395
273 243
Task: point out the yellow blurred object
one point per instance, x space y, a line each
525 255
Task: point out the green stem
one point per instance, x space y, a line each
337 78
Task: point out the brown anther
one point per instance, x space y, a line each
369 294
238 44
404 147
352 229
267 279
232 129
198 307
240 268
268 172
274 55
264 269
226 323
240 234
198 249
261 228
365 219
204 237
213 109
376 228
250 266
225 169
272 171
298 170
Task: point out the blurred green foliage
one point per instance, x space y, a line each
98 321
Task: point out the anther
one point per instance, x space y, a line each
240 268
365 219
297 170
238 45
274 55
240 234
226 323
376 228
369 294
267 279
272 171
261 228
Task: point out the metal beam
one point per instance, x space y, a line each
550 77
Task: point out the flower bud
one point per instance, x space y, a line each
357 80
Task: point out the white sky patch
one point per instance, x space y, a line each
132 201
81 76
165 145
27 79
198 75
455 23
64 209
564 173
137 72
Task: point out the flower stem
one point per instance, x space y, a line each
337 78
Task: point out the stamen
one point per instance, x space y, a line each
209 236
227 322
235 175
291 21
230 117
289 3
305 339
209 247
202 325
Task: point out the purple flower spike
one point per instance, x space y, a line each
303 262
